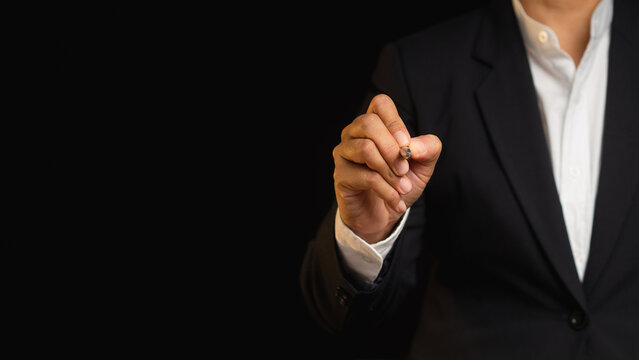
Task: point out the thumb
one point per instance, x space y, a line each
425 151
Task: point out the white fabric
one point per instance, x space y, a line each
572 102
361 259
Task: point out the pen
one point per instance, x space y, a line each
405 152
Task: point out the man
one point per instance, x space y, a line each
512 231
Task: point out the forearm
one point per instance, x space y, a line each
337 302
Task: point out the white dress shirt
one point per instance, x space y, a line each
572 103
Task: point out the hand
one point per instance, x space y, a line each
374 185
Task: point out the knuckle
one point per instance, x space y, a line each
394 197
367 122
381 100
336 151
367 148
391 175
390 149
395 125
372 178
344 133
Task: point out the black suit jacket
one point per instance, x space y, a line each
483 268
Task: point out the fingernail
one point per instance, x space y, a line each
418 150
401 138
405 185
401 207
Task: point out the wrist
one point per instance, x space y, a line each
373 237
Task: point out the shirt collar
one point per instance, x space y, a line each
541 37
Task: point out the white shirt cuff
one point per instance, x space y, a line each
361 259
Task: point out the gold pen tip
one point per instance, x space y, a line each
405 152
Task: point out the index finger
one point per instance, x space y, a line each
384 107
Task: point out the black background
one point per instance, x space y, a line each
171 165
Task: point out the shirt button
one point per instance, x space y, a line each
543 37
342 296
578 320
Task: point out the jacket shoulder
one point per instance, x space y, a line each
452 37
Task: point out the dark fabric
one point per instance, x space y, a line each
483 268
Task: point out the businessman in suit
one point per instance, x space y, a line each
512 231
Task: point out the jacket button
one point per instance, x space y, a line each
578 320
342 296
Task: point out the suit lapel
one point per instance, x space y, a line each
619 174
508 104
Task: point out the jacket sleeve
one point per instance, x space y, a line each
388 309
